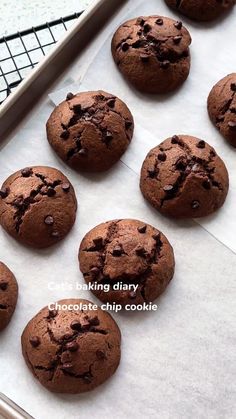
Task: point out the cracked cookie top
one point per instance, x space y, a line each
72 350
184 177
133 258
90 131
222 107
8 295
152 53
202 10
37 206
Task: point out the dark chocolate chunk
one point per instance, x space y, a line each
72 346
4 192
51 192
178 25
75 325
3 285
65 134
159 21
195 204
201 144
162 156
35 341
65 187
69 96
142 229
26 172
49 220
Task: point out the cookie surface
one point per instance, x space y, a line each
8 295
37 206
152 53
222 107
72 351
130 252
90 131
202 10
184 177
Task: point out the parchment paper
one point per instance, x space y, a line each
185 111
178 362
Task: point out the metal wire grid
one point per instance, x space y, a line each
20 52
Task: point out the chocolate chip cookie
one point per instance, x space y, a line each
184 177
8 295
152 52
201 10
72 350
222 107
37 206
90 131
126 262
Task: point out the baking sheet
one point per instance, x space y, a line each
178 362
184 111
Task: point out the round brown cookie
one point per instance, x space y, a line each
128 253
202 10
74 350
37 206
152 53
222 107
184 177
8 295
90 131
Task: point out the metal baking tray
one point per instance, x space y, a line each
52 66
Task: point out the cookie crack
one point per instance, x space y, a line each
187 165
95 115
23 204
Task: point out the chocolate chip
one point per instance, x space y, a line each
180 165
140 251
55 234
65 135
162 156
125 46
128 124
72 346
95 271
147 28
35 341
49 220
159 21
77 109
175 139
51 192
26 172
177 39
52 313
144 58
108 136
132 295
233 87
142 229
75 325
178 25
4 192
139 32
157 238
201 144
100 354
65 187
111 102
3 285
165 64
83 152
69 96
87 378
67 366
117 251
98 241
94 321
152 173
232 125
168 188
195 204
85 325
206 184
140 21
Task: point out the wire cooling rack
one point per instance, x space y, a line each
20 52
